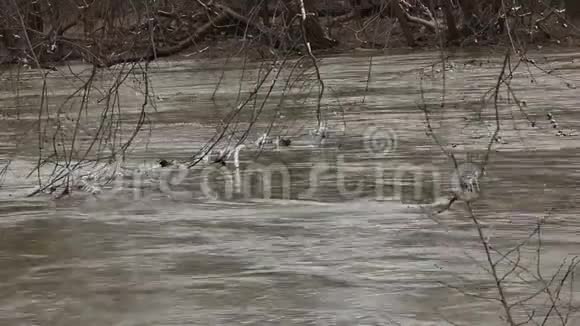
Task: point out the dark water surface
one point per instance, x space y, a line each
318 251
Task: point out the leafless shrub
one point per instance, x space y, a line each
547 299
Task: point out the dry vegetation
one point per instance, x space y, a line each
110 32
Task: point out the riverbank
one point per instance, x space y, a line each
235 33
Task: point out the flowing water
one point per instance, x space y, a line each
336 236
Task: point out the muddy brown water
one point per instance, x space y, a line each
332 244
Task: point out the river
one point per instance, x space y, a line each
335 238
